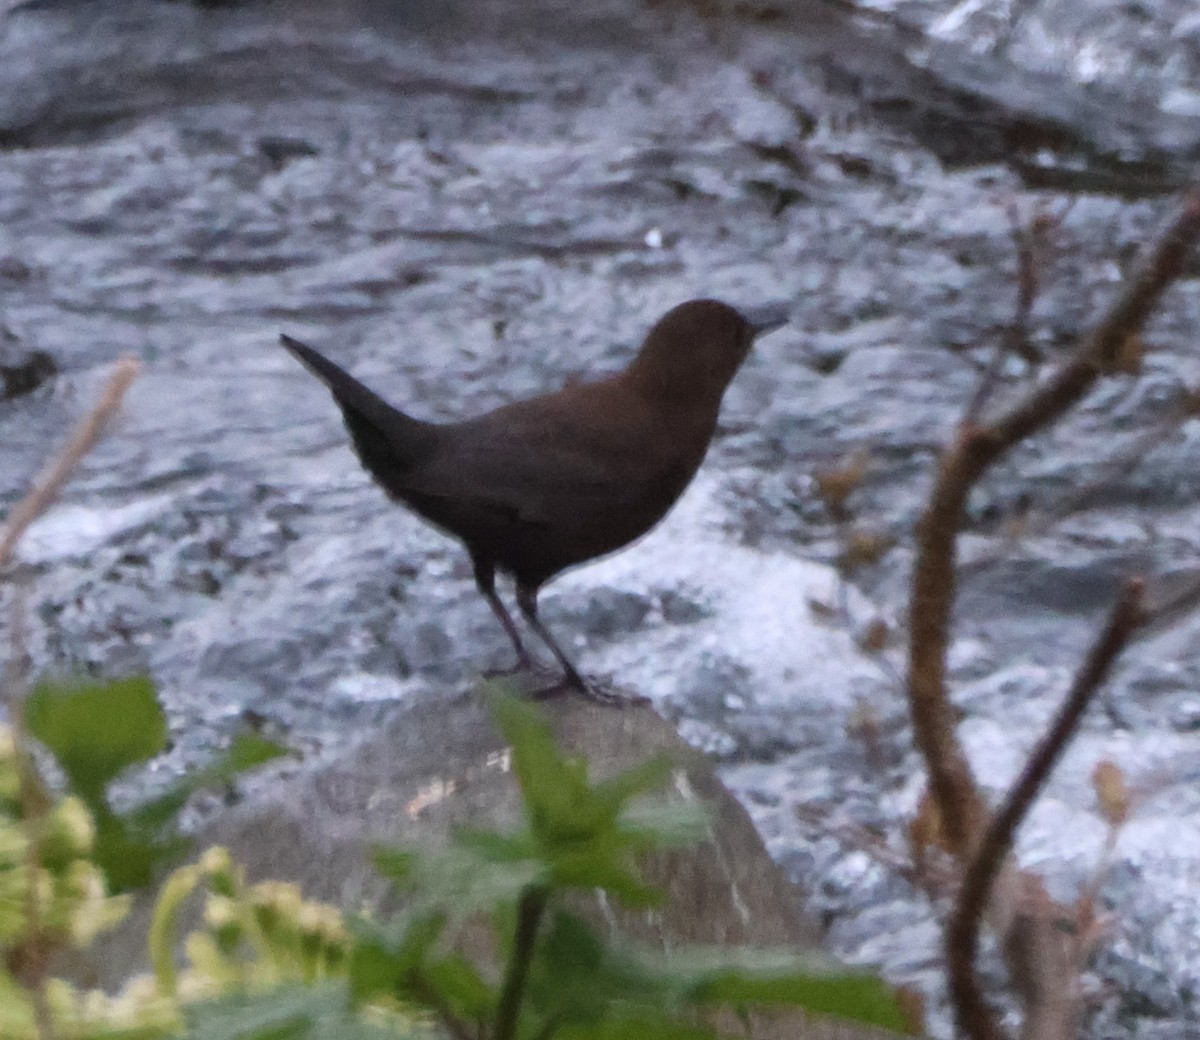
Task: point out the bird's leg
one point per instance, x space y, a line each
485 581
527 602
571 680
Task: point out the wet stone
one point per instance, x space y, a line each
428 648
1145 990
678 608
1185 714
609 612
26 374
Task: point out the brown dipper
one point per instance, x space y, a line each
538 486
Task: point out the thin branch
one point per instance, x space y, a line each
530 910
974 450
855 836
1029 243
1165 611
1124 462
1110 470
1027 239
1103 347
38 945
1015 338
974 1016
82 440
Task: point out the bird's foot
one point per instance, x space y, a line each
520 668
592 689
526 677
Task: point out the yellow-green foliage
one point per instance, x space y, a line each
266 964
254 937
53 899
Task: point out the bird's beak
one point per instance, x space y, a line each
766 318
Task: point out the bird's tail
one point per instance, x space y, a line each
370 419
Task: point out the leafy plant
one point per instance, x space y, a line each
319 1012
559 978
97 730
267 964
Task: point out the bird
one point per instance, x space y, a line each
551 482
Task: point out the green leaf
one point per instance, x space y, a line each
643 778
374 970
494 847
401 865
290 1013
384 958
580 980
97 730
781 977
126 856
598 866
623 1025
861 998
245 752
462 988
662 825
465 879
574 828
554 789
406 964
577 977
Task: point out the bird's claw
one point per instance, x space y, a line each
520 668
590 689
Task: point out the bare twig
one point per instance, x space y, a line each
1029 244
1028 240
37 946
1102 349
82 440
855 836
1129 457
1165 611
1122 462
974 450
974 1016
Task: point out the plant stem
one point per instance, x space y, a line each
530 911
82 440
975 1018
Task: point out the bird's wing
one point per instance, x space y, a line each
540 464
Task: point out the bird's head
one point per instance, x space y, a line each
695 349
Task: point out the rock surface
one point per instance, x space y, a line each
441 765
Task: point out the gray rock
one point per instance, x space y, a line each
440 766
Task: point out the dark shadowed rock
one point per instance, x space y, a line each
22 371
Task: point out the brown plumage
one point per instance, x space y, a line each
541 485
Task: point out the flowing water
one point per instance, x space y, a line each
467 203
